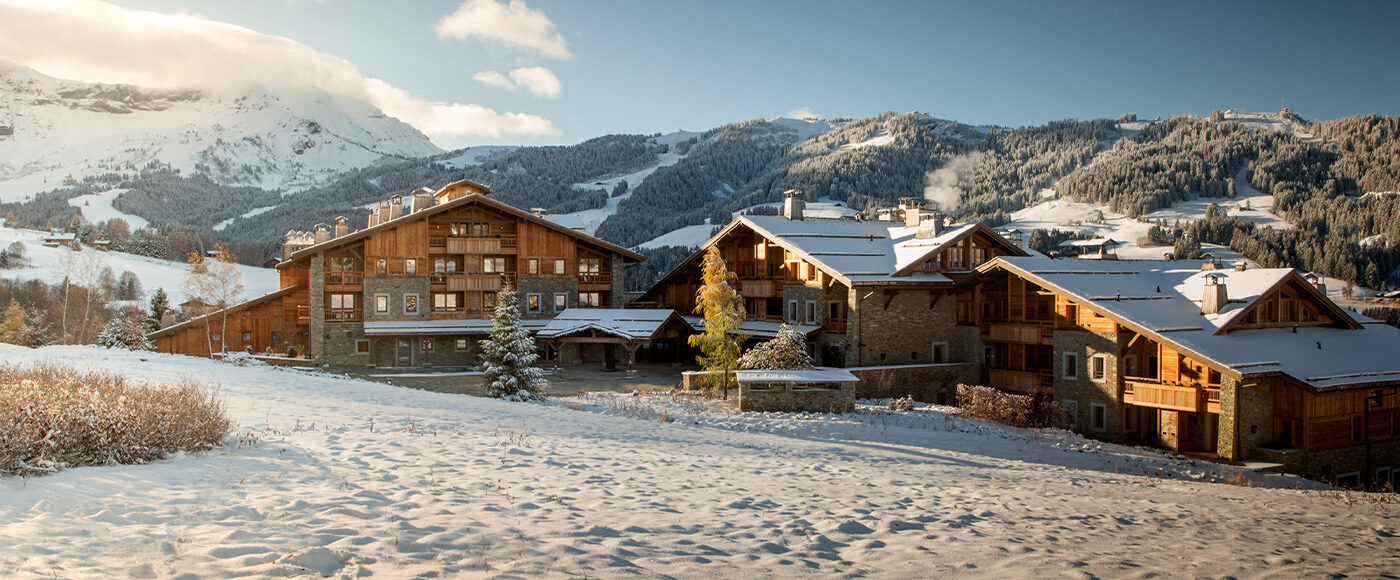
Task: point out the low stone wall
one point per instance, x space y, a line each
802 400
1330 464
696 380
928 383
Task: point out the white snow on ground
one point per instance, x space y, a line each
97 207
219 227
880 139
588 220
47 264
350 478
473 156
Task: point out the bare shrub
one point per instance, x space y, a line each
53 417
1010 409
905 403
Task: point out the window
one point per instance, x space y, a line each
493 265
410 304
381 303
834 310
561 301
216 337
381 267
589 299
792 311
1071 368
532 302
488 301
1351 479
534 265
427 345
444 301
940 353
276 337
444 265
590 266
989 356
1213 378
342 302
247 337
362 347
559 267
460 345
933 264
342 264
1098 416
410 266
1098 367
1130 418
811 312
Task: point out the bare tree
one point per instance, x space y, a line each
216 282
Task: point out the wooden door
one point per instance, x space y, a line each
1167 428
405 352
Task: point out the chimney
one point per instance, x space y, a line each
888 214
1241 266
1317 282
323 233
342 226
539 211
384 212
373 219
1209 264
1215 296
913 211
396 207
793 204
931 227
419 202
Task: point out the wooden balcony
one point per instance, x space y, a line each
332 315
1027 382
345 278
759 289
1173 397
461 245
834 327
1020 333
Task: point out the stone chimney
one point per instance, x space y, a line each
913 211
373 219
1241 266
1209 264
1215 296
1317 282
887 214
793 204
539 211
396 207
342 226
384 212
323 233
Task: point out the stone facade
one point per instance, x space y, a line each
1331 464
930 383
396 289
546 288
316 307
616 298
1083 389
833 400
882 323
339 339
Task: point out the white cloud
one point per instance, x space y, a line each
492 78
802 113
94 41
536 80
512 25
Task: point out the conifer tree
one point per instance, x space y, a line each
787 351
12 324
160 304
508 355
719 301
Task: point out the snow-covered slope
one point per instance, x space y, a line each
48 264
587 221
332 477
52 130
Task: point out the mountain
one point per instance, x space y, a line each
55 132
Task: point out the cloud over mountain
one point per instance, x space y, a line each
512 25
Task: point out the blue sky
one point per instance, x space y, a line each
658 66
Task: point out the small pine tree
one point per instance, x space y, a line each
787 351
509 353
12 325
723 308
160 304
127 333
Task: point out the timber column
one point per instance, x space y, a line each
316 307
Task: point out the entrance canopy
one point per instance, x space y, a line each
758 328
625 324
439 327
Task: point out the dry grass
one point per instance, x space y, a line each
1009 409
53 417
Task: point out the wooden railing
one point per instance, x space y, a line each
334 278
478 245
1173 397
1020 333
834 326
758 288
1017 381
332 314
595 277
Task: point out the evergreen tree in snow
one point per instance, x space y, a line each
160 304
787 351
509 353
127 333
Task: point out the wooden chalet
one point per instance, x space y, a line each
418 285
876 292
1241 364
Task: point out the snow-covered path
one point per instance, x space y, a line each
350 478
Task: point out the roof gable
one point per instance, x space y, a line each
923 251
1304 292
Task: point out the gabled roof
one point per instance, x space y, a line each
633 324
468 199
854 252
242 305
1161 299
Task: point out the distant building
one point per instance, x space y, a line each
1095 249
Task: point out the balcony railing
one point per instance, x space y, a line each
595 278
332 314
1021 333
1018 381
834 326
1160 396
758 289
344 278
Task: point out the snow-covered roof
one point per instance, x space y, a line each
634 324
1162 299
860 252
440 327
1094 243
817 375
757 328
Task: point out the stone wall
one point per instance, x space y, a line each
616 298
1083 390
546 288
1328 464
834 400
929 383
339 339
396 289
902 332
384 352
316 307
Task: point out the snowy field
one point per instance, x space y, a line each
97 208
345 478
47 264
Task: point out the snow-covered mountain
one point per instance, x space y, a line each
52 130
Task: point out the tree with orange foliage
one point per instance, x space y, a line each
216 282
